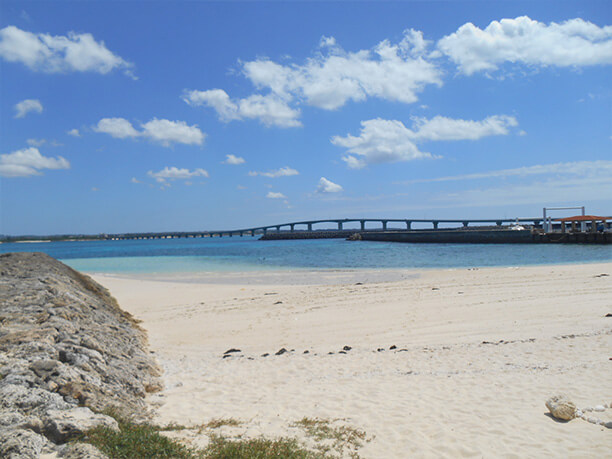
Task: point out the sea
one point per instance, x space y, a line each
241 254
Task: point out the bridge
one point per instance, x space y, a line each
363 224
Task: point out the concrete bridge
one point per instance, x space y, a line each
363 224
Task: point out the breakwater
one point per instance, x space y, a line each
319 234
464 235
67 352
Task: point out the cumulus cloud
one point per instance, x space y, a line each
59 54
119 128
577 168
74 133
174 173
380 141
275 195
166 132
442 128
328 80
282 172
391 71
386 141
327 186
26 106
522 40
270 110
135 180
162 131
29 161
233 160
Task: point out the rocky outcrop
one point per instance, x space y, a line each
67 352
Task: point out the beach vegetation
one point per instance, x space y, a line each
137 440
220 422
333 439
257 448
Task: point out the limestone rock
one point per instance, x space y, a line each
20 444
64 343
561 407
63 425
81 451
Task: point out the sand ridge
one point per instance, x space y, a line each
478 351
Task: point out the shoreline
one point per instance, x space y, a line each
478 351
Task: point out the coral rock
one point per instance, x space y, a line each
561 408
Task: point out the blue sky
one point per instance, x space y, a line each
160 116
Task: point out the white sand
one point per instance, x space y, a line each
441 393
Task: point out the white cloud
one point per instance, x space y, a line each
174 173
119 128
522 40
385 141
59 54
442 128
162 131
282 172
328 80
74 133
327 186
578 168
270 110
275 195
26 106
233 160
27 162
36 142
135 180
380 141
166 132
331 78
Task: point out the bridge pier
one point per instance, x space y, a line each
465 224
278 228
435 224
408 224
339 226
384 225
498 223
362 222
310 227
292 226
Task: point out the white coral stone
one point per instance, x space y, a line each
599 408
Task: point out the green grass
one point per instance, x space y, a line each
338 438
259 448
145 441
216 423
136 441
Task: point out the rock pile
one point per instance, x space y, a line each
67 351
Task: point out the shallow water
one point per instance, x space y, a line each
249 254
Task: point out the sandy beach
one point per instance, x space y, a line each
442 363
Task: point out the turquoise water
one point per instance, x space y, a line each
248 254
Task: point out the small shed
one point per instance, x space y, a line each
580 219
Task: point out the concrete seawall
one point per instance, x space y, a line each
320 234
465 236
453 236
